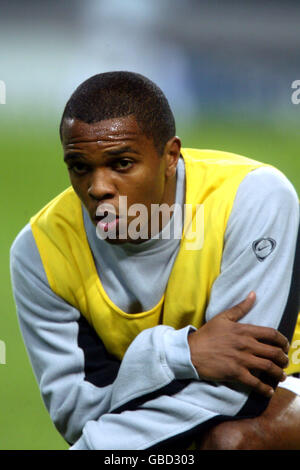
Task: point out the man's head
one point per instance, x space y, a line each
119 94
117 133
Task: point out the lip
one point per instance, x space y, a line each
98 217
108 226
102 209
106 218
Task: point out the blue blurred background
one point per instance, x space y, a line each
226 67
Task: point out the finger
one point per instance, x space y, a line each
266 335
266 351
255 383
238 311
267 366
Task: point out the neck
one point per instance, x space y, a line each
161 218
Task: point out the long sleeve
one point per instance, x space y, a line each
151 399
79 381
259 253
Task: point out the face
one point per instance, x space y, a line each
113 158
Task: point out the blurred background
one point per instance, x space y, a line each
227 68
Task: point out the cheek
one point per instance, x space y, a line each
78 188
150 185
145 192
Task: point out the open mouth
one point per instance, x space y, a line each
108 216
106 220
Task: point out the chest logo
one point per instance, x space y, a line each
263 247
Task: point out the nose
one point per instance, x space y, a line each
100 185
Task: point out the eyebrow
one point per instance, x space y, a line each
119 151
106 153
69 156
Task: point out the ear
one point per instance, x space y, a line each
171 155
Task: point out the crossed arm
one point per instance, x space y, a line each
244 349
98 398
92 402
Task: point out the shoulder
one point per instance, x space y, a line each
23 242
24 255
265 194
267 185
265 201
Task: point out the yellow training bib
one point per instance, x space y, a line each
212 180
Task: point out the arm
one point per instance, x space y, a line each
266 206
277 428
77 378
177 410
245 349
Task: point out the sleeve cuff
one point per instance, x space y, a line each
177 353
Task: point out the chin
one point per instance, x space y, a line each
116 241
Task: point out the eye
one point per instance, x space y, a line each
122 164
78 168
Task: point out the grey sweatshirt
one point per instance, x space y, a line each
154 397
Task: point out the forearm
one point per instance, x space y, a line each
78 380
266 207
141 398
171 419
146 405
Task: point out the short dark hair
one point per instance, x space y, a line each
119 94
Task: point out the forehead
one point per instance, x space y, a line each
109 130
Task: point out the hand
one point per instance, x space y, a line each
224 350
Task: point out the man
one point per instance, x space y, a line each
140 340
